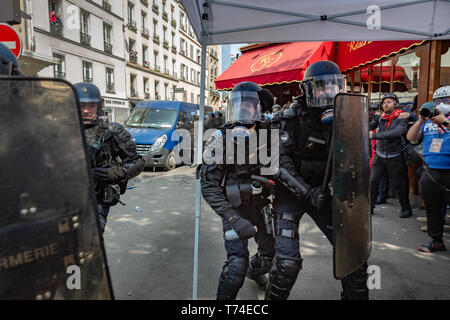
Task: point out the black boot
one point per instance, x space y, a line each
355 285
232 278
282 277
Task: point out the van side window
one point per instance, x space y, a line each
182 119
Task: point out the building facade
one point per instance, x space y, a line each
132 50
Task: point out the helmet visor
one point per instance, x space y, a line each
321 90
245 108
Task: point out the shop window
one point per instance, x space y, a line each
445 64
406 79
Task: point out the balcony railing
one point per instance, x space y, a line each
166 44
146 64
145 32
85 39
174 74
110 87
165 16
87 79
108 47
174 49
183 78
166 71
131 25
133 92
155 8
56 29
133 57
144 2
59 74
157 68
173 22
106 5
182 52
156 38
183 27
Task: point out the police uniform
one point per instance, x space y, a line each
304 148
227 189
112 154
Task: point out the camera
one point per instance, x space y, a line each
428 110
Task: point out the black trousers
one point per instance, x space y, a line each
435 199
397 170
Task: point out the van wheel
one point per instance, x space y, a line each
170 162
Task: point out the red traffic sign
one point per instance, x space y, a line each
11 38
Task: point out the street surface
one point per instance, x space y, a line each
150 248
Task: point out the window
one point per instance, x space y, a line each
133 85
156 61
59 70
107 30
191 52
85 38
155 27
144 22
144 56
110 80
130 12
166 91
157 96
87 71
146 89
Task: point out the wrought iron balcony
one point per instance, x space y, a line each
166 71
131 25
85 39
166 44
108 47
59 74
106 5
87 79
155 8
174 49
110 87
56 29
146 64
165 16
133 57
156 38
173 22
157 68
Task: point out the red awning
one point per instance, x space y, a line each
382 76
275 64
354 54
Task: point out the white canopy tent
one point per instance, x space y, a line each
249 21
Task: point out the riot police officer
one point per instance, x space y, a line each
112 153
305 139
227 187
9 66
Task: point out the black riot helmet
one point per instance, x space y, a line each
249 102
9 66
89 94
322 82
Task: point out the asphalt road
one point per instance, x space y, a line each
150 248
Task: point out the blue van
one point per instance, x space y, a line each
151 124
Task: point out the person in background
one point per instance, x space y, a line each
434 184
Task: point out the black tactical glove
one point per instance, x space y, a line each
112 174
320 199
243 227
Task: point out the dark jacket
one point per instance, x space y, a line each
391 140
115 148
215 178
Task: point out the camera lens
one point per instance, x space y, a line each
425 112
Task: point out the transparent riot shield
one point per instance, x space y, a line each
351 209
50 246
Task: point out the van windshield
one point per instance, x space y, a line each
152 118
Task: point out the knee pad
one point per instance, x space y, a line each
283 275
232 277
355 285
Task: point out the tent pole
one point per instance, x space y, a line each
199 162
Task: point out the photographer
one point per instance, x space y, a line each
434 185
